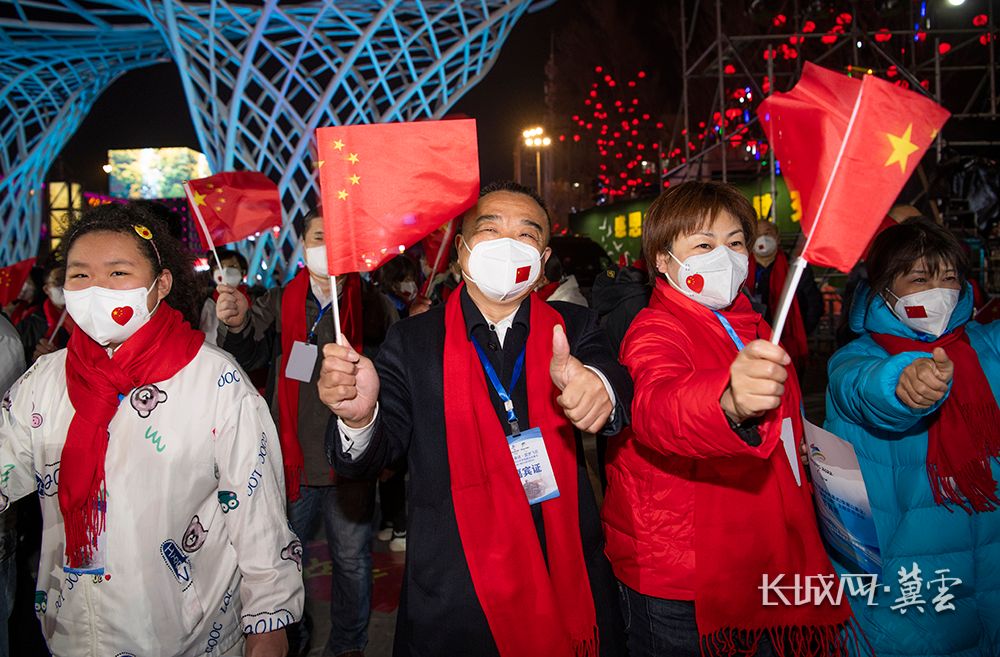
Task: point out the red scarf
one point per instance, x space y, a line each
156 352
548 290
962 437
531 610
21 311
52 317
294 329
751 518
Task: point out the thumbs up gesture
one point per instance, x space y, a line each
584 399
925 381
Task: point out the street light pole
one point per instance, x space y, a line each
535 138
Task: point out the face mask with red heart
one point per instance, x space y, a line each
109 316
712 279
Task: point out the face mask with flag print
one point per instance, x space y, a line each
503 268
712 279
928 311
109 316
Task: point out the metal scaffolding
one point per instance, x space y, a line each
258 81
747 59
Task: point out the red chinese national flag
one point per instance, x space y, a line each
12 280
386 186
848 146
234 205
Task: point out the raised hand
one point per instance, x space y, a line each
584 399
756 381
231 307
925 381
348 384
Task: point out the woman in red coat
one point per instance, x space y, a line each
707 503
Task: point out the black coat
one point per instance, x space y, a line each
439 612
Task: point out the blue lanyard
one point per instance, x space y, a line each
312 332
491 373
729 329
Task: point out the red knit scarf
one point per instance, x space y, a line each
751 519
294 329
962 437
531 610
52 317
155 353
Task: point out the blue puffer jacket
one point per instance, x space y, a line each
891 443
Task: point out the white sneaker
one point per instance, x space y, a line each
385 534
398 542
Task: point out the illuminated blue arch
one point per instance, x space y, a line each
258 81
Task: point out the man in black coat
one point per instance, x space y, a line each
440 612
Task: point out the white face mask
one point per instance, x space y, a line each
56 295
408 290
765 246
230 276
503 268
712 279
316 260
109 316
928 311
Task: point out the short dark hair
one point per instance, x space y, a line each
161 250
898 248
397 270
315 213
517 188
683 209
230 253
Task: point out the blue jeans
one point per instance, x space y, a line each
655 627
347 509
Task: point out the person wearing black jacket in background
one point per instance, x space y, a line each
449 605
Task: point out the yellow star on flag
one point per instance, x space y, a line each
355 179
199 199
319 164
342 195
338 145
353 158
902 148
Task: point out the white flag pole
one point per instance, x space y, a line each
799 265
62 318
449 235
201 222
335 302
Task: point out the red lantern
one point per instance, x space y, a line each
883 35
808 27
828 38
779 20
944 47
891 72
985 38
729 69
844 19
980 20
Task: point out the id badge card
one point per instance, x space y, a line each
533 465
302 361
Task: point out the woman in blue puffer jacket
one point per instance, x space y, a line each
917 396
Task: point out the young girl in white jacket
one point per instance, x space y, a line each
156 463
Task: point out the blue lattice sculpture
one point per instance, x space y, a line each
258 81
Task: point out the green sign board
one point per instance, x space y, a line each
618 227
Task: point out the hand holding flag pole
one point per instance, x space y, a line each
831 133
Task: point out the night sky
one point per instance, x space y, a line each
146 108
